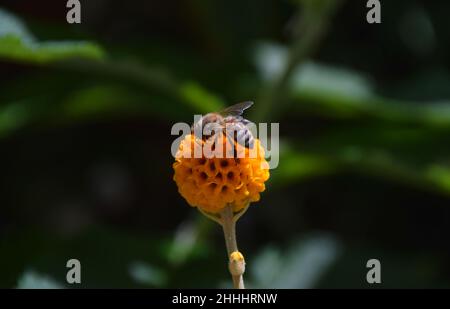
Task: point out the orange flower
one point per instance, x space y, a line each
211 183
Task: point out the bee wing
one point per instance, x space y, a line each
236 109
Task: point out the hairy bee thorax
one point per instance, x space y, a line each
229 122
234 127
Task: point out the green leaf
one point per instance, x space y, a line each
33 280
12 117
17 43
147 274
314 77
99 100
295 166
301 266
266 267
199 98
432 174
271 59
10 25
439 174
334 92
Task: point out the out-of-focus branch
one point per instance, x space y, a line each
300 165
308 31
154 80
426 114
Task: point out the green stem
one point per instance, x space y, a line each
229 231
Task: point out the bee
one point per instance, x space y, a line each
228 119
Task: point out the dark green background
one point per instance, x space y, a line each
85 163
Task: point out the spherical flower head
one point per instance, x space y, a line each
213 181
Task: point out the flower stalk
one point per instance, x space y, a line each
236 259
227 218
222 190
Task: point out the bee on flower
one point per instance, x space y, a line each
220 168
236 172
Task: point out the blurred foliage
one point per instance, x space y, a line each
32 280
389 126
18 44
300 267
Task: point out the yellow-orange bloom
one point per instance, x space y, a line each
210 183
